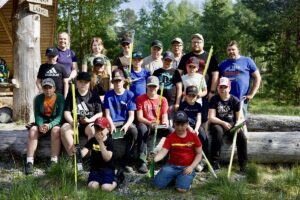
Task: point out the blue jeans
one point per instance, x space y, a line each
171 172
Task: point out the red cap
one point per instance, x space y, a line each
102 122
193 60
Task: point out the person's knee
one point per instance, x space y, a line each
93 185
65 130
55 133
108 187
33 133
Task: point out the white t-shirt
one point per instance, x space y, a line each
152 65
196 79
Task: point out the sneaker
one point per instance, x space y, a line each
128 169
120 176
216 165
143 168
243 169
28 168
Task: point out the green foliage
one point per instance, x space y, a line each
252 174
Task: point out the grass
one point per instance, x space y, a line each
260 182
260 105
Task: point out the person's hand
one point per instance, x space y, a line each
84 120
151 156
99 137
44 128
113 129
188 170
196 132
124 129
152 125
210 95
176 106
226 126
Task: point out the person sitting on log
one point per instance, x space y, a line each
185 152
223 114
147 107
102 170
119 110
88 110
48 112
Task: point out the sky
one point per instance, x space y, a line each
138 4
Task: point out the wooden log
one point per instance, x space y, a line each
27 60
263 147
269 123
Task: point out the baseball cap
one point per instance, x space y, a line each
102 122
177 39
180 117
198 35
157 43
153 80
125 40
85 76
98 61
51 51
193 60
49 82
169 55
192 89
224 81
117 74
137 54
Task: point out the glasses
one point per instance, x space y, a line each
116 81
168 60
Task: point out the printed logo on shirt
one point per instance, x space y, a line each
96 147
52 73
83 110
232 71
224 110
188 144
166 79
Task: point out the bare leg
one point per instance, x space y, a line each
93 185
32 141
109 187
67 138
55 141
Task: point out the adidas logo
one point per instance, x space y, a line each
52 72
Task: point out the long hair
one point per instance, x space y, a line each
95 76
100 41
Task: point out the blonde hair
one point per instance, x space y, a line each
95 76
100 41
68 36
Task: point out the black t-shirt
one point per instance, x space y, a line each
121 62
170 77
87 105
191 111
57 72
225 110
97 161
213 65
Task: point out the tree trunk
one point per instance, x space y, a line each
27 60
263 147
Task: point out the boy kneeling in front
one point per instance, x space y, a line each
102 171
185 152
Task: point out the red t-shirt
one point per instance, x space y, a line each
182 150
149 107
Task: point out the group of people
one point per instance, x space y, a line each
121 99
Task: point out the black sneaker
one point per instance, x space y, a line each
120 176
143 169
216 165
243 169
28 168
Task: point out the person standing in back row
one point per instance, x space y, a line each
154 62
177 50
240 70
212 75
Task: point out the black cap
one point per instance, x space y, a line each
98 61
84 76
157 43
180 117
169 55
192 89
117 74
51 51
125 40
137 54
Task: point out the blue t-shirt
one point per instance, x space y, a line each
66 58
119 105
191 111
139 82
239 72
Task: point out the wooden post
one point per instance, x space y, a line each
27 60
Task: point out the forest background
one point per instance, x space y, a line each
267 30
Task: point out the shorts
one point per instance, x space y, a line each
102 176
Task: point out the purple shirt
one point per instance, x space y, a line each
66 58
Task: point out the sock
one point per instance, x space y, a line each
29 159
54 159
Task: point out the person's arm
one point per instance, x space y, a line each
129 121
161 154
214 83
84 151
107 155
59 113
141 118
178 95
39 85
68 117
256 83
213 119
66 87
84 67
198 123
203 92
74 71
111 123
197 159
